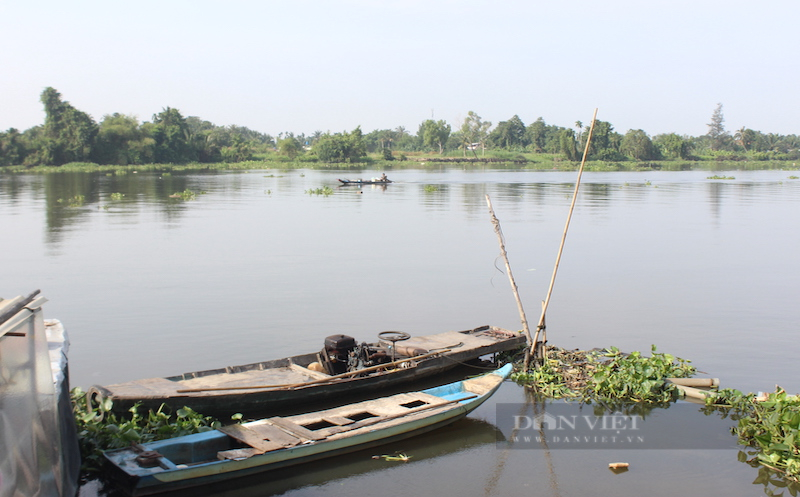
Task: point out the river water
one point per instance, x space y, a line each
258 266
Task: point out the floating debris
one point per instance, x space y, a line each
398 457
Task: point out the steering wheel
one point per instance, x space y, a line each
394 336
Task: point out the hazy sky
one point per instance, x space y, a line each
331 65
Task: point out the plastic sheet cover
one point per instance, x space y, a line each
38 445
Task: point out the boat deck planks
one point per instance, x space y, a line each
454 340
266 435
295 429
277 376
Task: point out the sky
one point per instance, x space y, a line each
331 65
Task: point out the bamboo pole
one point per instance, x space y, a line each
695 382
540 326
692 392
503 252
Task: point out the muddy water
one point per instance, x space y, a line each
256 268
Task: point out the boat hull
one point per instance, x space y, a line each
457 399
219 401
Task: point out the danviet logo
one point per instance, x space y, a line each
579 426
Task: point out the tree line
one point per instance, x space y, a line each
70 135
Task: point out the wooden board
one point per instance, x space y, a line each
237 454
274 434
338 420
249 437
295 429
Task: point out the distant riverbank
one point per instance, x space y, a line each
523 162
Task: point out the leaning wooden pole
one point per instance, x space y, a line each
524 319
540 327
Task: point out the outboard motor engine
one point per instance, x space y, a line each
337 351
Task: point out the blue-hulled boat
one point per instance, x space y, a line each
267 444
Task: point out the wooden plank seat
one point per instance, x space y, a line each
275 434
261 439
338 420
295 429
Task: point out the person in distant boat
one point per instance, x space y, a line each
383 177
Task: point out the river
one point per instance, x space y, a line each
257 266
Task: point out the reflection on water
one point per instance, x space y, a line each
256 268
151 191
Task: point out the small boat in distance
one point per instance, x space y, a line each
342 369
364 182
267 444
383 180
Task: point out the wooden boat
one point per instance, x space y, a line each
465 434
267 444
340 370
364 181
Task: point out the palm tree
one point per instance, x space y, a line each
741 137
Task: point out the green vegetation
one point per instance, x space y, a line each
634 377
100 429
769 426
496 159
186 195
607 376
341 147
69 135
325 190
716 176
74 201
434 134
431 188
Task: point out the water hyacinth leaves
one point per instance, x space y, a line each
325 190
636 378
769 426
100 429
186 195
608 376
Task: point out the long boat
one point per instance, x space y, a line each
277 442
364 181
341 370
